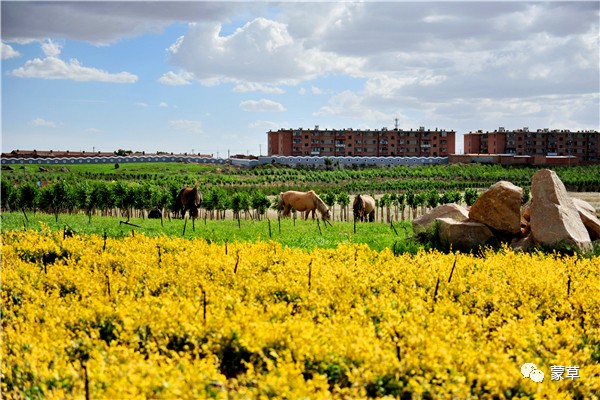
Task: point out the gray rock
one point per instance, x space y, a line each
463 235
554 219
587 213
499 208
423 223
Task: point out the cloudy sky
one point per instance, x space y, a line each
214 77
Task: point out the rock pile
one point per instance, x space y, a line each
551 218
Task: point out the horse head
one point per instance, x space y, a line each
280 202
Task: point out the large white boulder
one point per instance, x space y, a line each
554 219
423 223
587 213
499 208
463 235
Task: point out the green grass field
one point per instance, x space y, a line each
299 234
172 168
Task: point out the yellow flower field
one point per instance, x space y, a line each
170 318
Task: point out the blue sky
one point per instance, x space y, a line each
214 77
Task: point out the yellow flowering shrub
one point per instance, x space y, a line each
167 318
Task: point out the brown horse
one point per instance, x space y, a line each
188 199
302 201
364 205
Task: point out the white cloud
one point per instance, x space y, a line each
163 104
352 105
141 104
245 87
103 22
186 125
443 63
264 125
261 51
313 90
51 49
263 105
93 130
41 122
53 67
176 78
9 52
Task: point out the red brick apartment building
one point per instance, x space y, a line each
361 142
585 145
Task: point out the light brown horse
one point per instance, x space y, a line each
302 201
364 205
188 199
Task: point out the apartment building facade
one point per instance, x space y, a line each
361 142
585 145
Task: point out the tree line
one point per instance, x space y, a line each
125 198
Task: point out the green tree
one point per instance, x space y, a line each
420 200
455 196
432 198
27 196
223 203
236 204
411 202
470 196
119 194
84 197
57 198
401 203
385 202
330 199
343 199
210 202
260 203
102 196
8 194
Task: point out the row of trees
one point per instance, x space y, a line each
124 198
131 199
273 179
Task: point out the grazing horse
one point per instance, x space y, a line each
302 201
364 205
188 199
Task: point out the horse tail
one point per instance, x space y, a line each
178 202
357 205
